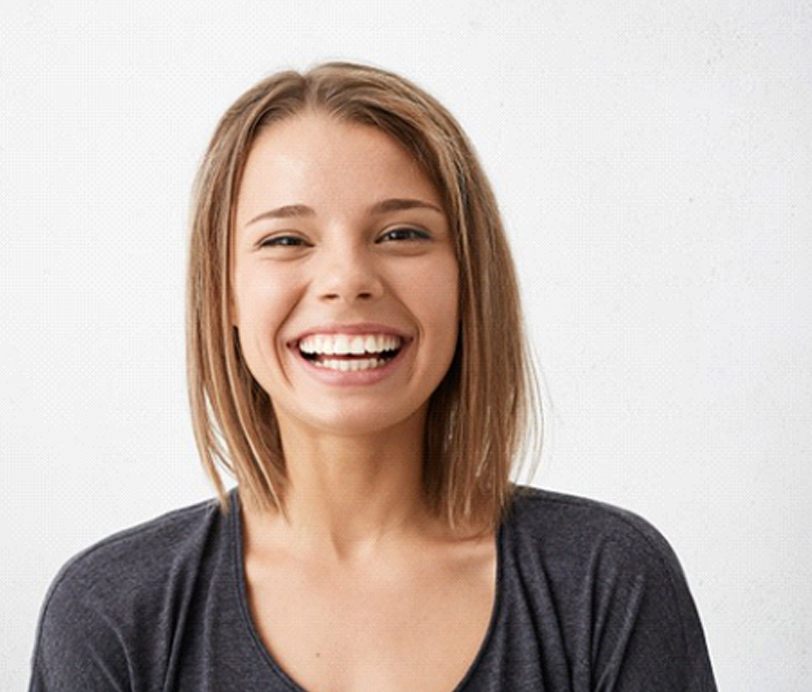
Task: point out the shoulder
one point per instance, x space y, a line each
618 587
582 545
137 554
549 521
111 601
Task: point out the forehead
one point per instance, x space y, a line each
330 165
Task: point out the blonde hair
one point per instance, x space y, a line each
488 400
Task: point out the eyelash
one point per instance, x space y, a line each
270 242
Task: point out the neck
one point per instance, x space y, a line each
350 499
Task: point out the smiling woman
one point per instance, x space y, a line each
346 177
357 360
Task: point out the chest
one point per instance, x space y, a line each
387 630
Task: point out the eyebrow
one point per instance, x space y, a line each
382 207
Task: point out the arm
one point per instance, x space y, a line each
77 647
648 635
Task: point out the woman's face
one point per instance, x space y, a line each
343 263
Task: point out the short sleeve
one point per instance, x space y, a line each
77 647
648 634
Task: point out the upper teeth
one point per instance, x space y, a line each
343 343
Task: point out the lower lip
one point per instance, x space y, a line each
350 378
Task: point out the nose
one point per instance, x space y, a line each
348 272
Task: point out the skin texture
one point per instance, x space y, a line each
354 454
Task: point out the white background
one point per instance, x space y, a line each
654 168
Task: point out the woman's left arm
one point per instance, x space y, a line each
648 634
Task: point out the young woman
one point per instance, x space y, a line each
357 361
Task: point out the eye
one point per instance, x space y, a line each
293 241
273 242
421 235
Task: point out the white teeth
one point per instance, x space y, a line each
335 344
351 365
357 345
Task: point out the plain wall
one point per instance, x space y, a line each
654 168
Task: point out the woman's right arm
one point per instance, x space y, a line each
77 647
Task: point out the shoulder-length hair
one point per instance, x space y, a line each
478 415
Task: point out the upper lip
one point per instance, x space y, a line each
355 328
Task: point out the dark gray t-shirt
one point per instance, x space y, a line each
589 597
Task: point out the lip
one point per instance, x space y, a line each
349 378
355 328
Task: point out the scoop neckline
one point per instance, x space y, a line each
237 557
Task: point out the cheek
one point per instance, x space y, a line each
432 296
259 300
437 268
438 289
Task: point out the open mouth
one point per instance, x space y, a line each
321 357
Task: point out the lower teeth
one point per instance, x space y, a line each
351 365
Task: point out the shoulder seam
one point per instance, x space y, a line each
122 535
657 550
117 537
